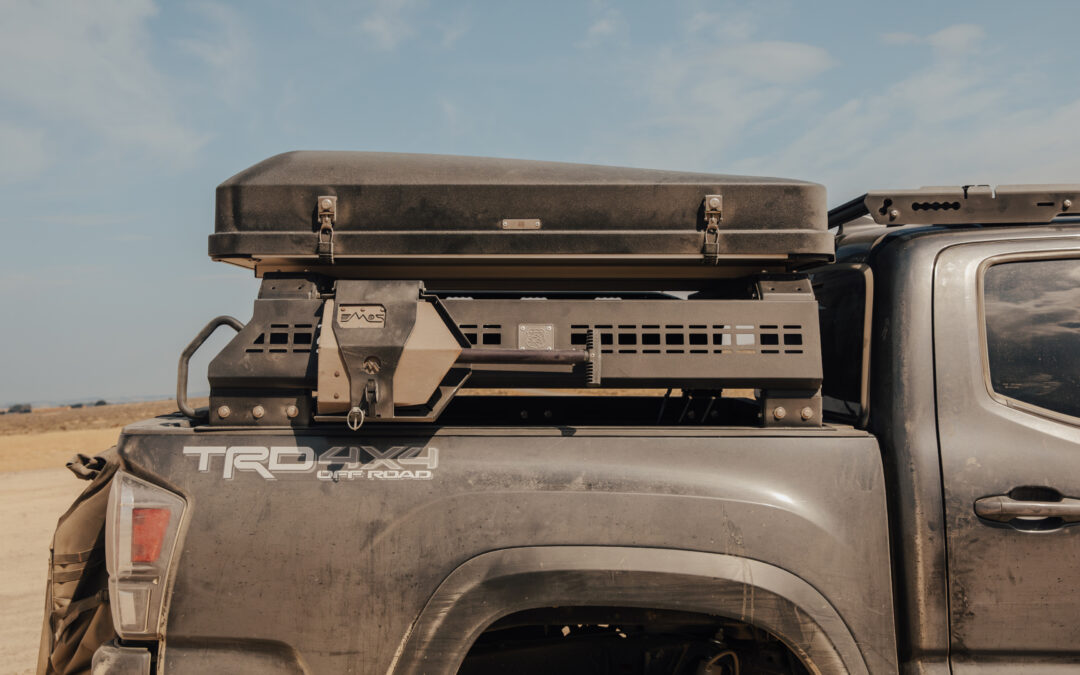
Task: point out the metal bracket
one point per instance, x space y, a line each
592 366
775 288
967 204
521 223
371 395
790 408
714 205
326 213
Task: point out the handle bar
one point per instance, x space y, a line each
189 351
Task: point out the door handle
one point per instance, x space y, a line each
1003 508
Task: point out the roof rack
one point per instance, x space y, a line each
963 205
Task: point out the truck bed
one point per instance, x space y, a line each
308 551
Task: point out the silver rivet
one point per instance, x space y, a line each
807 412
326 204
1067 203
292 411
223 411
258 411
894 214
714 203
779 412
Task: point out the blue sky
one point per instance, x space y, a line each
118 119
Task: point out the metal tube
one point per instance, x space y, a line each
189 351
549 356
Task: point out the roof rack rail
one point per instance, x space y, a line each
963 205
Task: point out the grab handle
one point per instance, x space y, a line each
189 351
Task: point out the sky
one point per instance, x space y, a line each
119 118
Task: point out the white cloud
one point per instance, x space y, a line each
609 25
702 98
88 64
605 25
226 49
389 23
959 39
774 62
451 114
733 25
899 38
454 31
956 121
23 152
601 27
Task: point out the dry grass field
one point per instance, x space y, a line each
48 438
35 489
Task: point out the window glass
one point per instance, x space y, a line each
1033 332
841 295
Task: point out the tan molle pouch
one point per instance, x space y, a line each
77 616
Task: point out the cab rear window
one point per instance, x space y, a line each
1032 311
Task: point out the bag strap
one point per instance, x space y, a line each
78 607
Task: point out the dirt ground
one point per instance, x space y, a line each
35 490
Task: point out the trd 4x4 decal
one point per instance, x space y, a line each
365 462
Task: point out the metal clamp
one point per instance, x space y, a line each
714 205
325 248
189 351
326 212
355 419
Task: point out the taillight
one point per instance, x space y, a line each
148 528
141 533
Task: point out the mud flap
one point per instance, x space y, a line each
77 617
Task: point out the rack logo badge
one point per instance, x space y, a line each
399 462
361 316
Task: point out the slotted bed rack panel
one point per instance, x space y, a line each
654 343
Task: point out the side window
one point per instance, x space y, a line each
1032 311
844 293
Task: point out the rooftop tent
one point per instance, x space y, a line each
451 220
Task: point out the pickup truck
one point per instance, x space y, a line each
924 527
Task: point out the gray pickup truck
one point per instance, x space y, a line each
447 441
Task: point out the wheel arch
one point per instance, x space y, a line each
499 583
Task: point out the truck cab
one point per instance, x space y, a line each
973 393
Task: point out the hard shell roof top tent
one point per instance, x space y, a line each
391 282
457 221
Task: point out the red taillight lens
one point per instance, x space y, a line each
148 528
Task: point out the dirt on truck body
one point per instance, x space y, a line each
416 457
